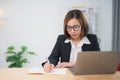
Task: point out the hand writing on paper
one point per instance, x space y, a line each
65 65
48 67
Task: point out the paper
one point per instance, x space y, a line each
41 71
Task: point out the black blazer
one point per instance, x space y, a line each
62 50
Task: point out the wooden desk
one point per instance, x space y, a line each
21 74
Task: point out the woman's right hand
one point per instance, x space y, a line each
48 67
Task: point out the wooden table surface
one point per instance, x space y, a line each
21 74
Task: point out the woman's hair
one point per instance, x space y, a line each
77 14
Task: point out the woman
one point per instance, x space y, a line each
75 39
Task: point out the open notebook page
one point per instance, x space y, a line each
41 71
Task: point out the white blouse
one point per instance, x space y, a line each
78 48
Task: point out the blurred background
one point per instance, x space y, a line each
37 24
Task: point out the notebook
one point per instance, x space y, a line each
96 62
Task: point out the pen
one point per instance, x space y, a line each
51 66
48 60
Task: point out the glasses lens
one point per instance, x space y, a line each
74 27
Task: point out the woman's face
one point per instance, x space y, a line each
74 29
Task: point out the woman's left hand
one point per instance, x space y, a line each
65 65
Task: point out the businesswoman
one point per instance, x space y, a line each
75 39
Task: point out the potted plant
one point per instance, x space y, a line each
16 58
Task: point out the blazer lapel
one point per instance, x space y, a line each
67 51
86 47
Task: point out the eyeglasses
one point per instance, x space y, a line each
74 27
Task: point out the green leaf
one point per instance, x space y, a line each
12 65
24 48
11 52
24 60
15 65
10 48
31 53
12 58
20 52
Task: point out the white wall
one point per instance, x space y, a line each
37 23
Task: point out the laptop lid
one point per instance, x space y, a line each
96 62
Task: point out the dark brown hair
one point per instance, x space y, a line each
77 14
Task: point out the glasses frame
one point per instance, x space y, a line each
74 27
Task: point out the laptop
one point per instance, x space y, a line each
96 62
